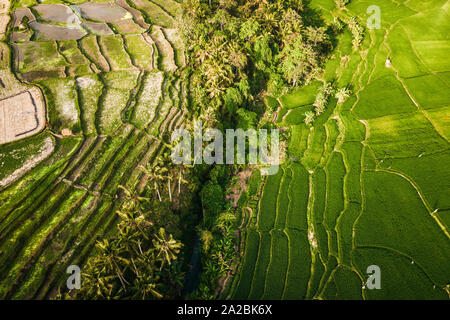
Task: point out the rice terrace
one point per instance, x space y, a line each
92 205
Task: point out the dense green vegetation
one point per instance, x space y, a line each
365 135
238 49
141 260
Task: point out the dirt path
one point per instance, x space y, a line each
277 112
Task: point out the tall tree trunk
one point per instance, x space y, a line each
170 192
157 191
179 182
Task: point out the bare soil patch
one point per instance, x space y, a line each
136 14
19 14
4 19
56 12
99 28
21 115
103 11
46 31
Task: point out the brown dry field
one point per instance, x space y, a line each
21 115
22 108
4 17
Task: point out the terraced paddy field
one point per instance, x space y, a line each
368 183
110 75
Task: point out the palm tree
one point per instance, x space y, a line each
133 219
326 89
144 286
163 163
181 180
316 35
169 179
342 94
291 22
309 117
320 103
166 246
132 200
111 258
167 157
156 174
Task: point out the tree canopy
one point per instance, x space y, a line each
238 48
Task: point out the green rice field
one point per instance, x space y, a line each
370 184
